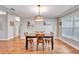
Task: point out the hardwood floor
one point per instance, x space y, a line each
17 46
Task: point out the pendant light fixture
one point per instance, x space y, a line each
38 17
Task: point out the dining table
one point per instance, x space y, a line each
33 36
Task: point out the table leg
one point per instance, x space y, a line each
26 43
52 42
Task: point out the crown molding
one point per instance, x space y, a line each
70 11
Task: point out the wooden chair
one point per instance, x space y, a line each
40 39
30 40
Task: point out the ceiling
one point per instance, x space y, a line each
48 11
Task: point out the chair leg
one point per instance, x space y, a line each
32 43
45 43
43 46
37 46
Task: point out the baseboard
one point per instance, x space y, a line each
77 48
6 39
9 38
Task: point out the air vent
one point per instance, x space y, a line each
12 9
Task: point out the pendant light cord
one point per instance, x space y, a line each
39 10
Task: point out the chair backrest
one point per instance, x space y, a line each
26 33
40 35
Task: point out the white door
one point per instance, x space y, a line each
17 28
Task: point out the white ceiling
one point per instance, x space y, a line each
48 11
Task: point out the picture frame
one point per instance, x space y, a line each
11 23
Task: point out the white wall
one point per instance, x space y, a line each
38 26
11 18
3 27
6 30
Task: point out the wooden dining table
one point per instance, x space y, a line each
47 36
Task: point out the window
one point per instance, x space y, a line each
70 27
76 28
67 27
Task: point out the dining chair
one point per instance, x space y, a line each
40 39
48 40
30 40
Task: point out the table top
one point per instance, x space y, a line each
30 36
